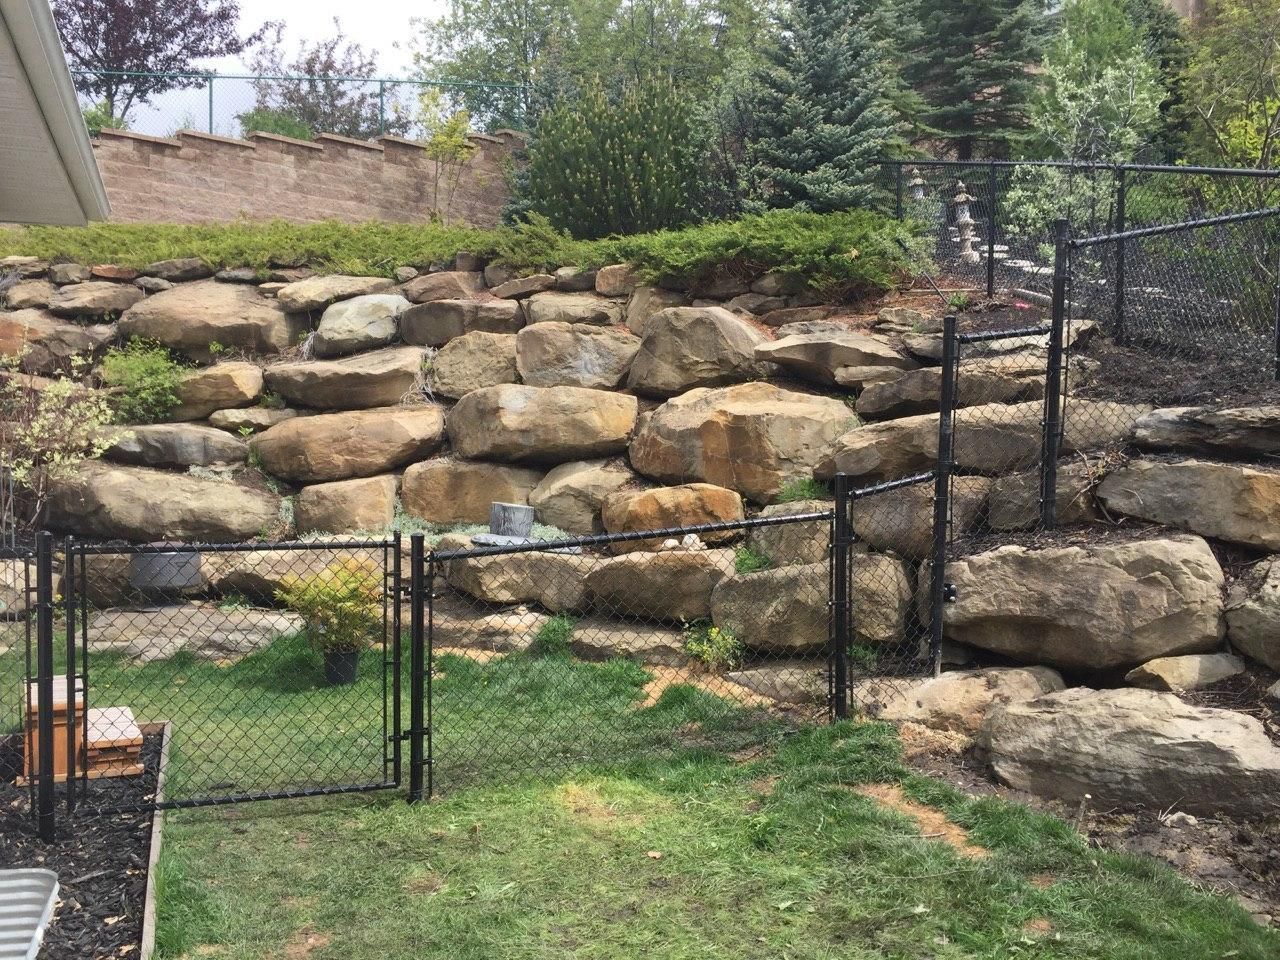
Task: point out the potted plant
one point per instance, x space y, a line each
342 607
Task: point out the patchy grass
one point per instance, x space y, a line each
690 856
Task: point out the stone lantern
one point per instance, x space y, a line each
915 188
964 223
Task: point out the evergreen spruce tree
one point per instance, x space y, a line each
971 66
820 114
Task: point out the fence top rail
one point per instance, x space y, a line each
248 547
986 335
1174 227
1263 173
604 539
858 493
214 75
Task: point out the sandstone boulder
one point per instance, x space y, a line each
673 586
597 638
512 422
648 301
251 419
220 387
818 356
1104 607
1190 672
1250 432
63 273
97 299
360 443
1006 380
753 438
689 504
554 580
176 445
1132 747
133 503
574 355
47 344
958 701
380 378
448 285
781 609
902 520
798 682
570 497
804 541
617 280
28 294
346 506
522 287
553 307
193 317
178 269
575 279
472 361
1015 498
1253 613
259 574
685 347
361 323
435 323
316 293
449 491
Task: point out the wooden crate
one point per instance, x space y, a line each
64 729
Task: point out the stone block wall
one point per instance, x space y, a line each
196 177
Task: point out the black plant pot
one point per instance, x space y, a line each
340 667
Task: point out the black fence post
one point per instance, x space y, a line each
1053 381
1122 190
991 229
69 609
1276 299
897 191
841 536
44 686
417 661
942 491
397 721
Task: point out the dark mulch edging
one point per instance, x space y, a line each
101 861
1132 374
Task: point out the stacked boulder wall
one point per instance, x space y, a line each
1253 613
541 425
346 506
1250 432
380 378
1239 504
1097 608
571 495
448 491
137 504
472 361
754 437
673 586
223 386
359 443
199 318
686 347
44 344
1135 747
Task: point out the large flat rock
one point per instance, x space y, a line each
47 344
958 701
673 586
316 293
176 445
989 380
1246 432
817 356
223 386
380 378
202 630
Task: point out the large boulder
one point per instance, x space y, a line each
435 323
447 285
97 299
782 609
361 323
449 491
1015 499
817 356
574 355
1225 501
220 387
802 541
46 344
587 308
648 301
360 443
690 504
200 318
1190 672
250 419
673 586
554 580
1097 608
380 378
902 520
536 424
1248 432
258 575
472 361
28 294
1004 380
316 293
176 445
753 438
1132 747
178 269
570 497
346 506
1253 613
134 503
685 347
600 638
958 701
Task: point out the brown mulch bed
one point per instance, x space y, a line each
101 861
1132 374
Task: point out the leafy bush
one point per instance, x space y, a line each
804 489
746 560
99 117
715 647
552 638
600 165
341 604
144 380
274 120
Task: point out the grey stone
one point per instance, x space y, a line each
1253 613
178 270
176 445
553 307
205 631
361 323
435 323
1190 672
574 355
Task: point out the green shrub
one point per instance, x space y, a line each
143 379
341 604
804 489
601 165
274 120
714 647
746 560
552 638
99 117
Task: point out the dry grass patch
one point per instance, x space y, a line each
932 823
305 942
660 678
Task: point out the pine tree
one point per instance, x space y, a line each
820 114
971 66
